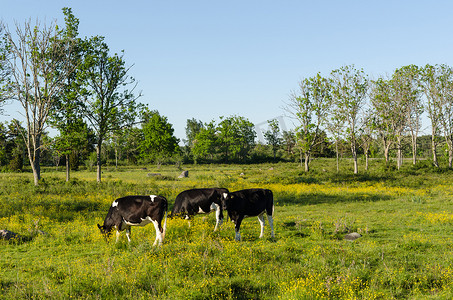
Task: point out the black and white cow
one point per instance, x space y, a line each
197 201
249 203
136 211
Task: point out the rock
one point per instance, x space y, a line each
7 235
352 236
184 174
271 168
154 174
242 174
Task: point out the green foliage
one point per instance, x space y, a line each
205 142
158 140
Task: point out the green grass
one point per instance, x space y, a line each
404 217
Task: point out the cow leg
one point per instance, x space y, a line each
158 234
271 224
236 228
262 223
128 233
218 216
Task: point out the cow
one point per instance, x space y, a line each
136 211
249 203
196 201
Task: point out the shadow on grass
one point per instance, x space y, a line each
318 198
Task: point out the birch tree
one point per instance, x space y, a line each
310 107
431 86
382 119
39 65
446 109
350 88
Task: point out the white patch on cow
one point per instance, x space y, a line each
115 203
159 237
225 195
200 210
214 206
152 197
219 221
143 222
262 223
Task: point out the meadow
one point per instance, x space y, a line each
405 219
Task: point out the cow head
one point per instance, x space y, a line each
105 230
227 199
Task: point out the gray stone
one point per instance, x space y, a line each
352 236
154 174
184 174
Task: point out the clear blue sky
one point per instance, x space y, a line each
205 59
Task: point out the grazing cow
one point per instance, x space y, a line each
136 211
249 203
198 201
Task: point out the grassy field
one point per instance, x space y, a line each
405 252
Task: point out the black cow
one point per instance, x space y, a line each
198 201
136 211
249 203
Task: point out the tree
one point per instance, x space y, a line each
366 138
272 136
158 139
350 87
39 64
335 127
193 127
67 117
382 112
432 87
109 105
236 137
408 78
446 107
289 142
401 98
5 69
310 108
205 142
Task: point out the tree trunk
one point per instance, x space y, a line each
450 157
354 156
307 161
67 167
116 158
338 156
434 150
36 168
34 155
301 157
414 150
366 160
450 151
399 153
386 153
98 159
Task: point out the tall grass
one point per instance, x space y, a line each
404 218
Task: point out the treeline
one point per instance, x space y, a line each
81 89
